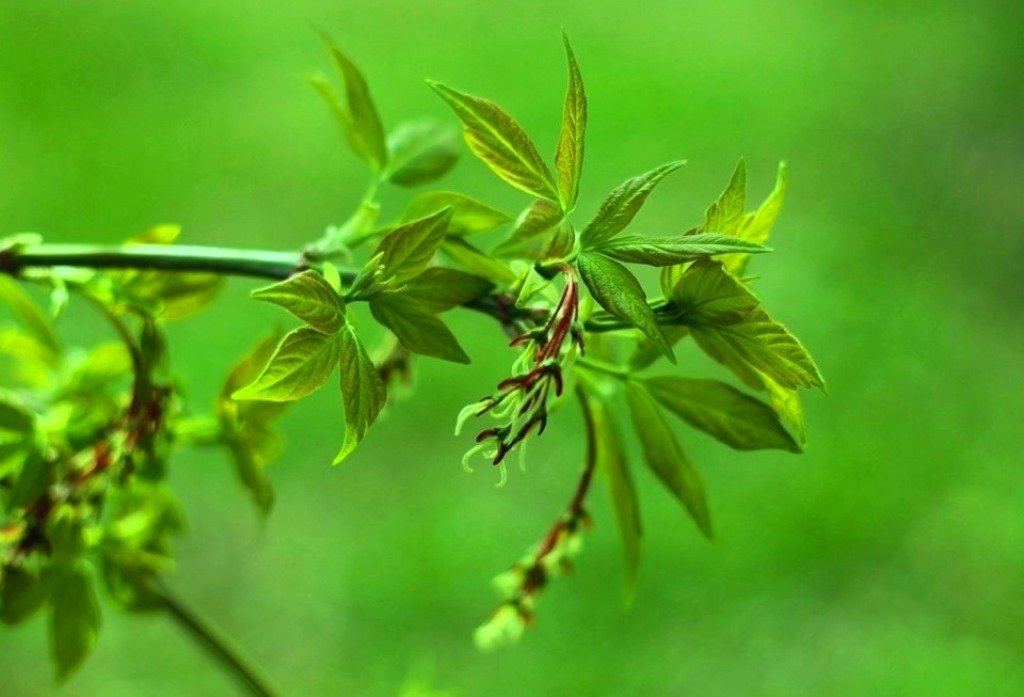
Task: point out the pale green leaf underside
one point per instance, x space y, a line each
309 297
665 251
500 142
301 365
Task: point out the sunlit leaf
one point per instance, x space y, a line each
469 216
308 296
665 457
737 419
408 249
301 365
498 139
757 226
622 205
569 157
362 390
665 251
725 215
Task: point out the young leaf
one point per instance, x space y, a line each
617 291
665 457
34 320
622 205
497 139
417 328
569 157
666 251
438 289
365 132
476 262
725 215
787 405
532 228
421 152
75 620
309 297
605 451
728 322
757 226
300 366
469 216
362 391
407 250
722 411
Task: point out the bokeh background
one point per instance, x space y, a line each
889 559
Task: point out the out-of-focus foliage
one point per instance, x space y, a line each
887 559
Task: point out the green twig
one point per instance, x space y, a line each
220 647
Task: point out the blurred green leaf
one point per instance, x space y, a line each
408 249
666 251
35 322
469 216
737 419
23 592
417 328
301 364
421 152
358 116
75 619
617 291
665 457
569 157
605 450
622 205
439 289
309 297
727 321
498 139
362 389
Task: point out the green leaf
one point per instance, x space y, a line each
757 226
417 328
787 405
622 205
533 232
22 593
408 249
438 289
666 251
497 139
421 152
725 215
727 321
363 128
35 321
309 297
606 452
362 390
476 262
647 351
737 419
469 216
617 291
301 365
569 157
665 457
33 479
75 620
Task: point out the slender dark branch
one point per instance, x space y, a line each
217 644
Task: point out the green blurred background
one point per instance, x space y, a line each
887 560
